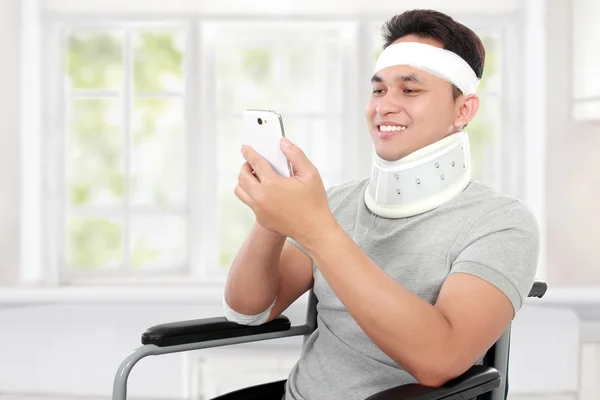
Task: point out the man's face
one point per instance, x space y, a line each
410 109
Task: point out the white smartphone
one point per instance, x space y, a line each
263 130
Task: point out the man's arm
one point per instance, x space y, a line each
265 267
295 278
252 281
435 343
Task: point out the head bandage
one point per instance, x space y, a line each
439 62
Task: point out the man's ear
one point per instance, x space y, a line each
467 111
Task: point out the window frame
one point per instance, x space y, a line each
55 209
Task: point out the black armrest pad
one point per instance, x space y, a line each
477 380
538 289
201 330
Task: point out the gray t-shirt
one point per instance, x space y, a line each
480 232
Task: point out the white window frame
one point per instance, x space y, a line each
202 200
533 89
31 252
55 206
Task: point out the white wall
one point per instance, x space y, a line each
75 348
9 141
572 167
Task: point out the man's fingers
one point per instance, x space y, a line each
261 166
242 195
247 180
248 168
300 162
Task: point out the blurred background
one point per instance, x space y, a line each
120 130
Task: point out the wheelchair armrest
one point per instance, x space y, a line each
538 289
477 380
201 330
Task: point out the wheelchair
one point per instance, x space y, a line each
485 381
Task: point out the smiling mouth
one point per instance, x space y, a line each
390 130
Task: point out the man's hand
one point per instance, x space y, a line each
296 207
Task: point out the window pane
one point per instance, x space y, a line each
320 140
235 221
94 243
313 78
158 153
157 242
246 78
491 79
230 137
484 135
377 48
235 218
94 153
94 60
158 61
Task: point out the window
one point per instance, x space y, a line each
296 69
152 130
125 179
145 156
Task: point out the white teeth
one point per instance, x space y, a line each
391 128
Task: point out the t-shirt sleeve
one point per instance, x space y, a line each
502 247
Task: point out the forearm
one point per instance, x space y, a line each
408 329
252 282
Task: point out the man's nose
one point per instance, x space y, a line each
388 105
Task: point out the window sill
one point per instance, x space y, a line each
206 294
585 301
197 294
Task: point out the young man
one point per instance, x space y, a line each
419 269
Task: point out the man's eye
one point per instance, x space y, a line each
377 91
411 91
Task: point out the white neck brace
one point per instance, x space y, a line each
421 181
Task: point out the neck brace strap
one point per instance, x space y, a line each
439 62
422 181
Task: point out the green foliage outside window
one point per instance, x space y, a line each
94 62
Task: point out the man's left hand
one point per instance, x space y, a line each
296 206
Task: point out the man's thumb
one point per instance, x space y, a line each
296 156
